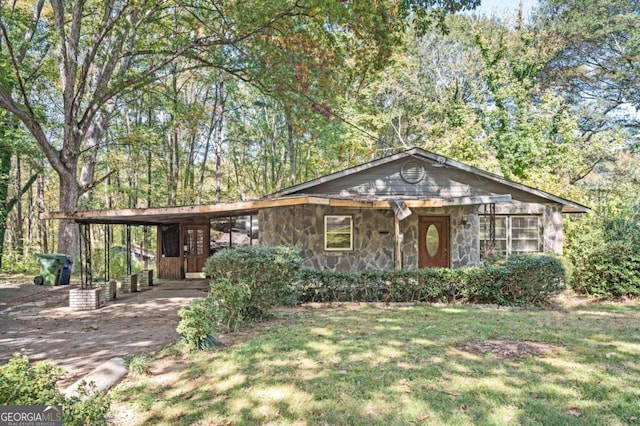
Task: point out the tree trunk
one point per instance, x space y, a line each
69 196
219 141
5 169
42 225
19 234
292 153
95 135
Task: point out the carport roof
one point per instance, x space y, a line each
170 215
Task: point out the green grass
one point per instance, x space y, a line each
364 365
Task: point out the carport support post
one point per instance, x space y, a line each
129 281
107 257
398 241
86 297
85 255
128 243
146 276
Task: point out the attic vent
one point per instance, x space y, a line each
412 171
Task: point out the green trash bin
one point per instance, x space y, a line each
50 268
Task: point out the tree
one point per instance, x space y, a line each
85 53
596 67
14 145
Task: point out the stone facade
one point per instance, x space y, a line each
553 232
86 299
303 227
373 238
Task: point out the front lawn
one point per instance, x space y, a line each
362 364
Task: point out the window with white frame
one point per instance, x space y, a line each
514 235
338 232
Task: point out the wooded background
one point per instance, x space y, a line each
139 103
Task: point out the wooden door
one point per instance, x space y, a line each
433 242
196 247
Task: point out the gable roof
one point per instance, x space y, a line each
480 176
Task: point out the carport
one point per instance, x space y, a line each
183 233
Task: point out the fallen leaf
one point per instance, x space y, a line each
574 411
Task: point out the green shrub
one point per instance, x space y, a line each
326 286
269 273
605 253
247 282
24 383
612 269
232 298
117 263
16 263
522 280
88 407
199 322
532 280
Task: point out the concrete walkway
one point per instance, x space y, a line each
38 323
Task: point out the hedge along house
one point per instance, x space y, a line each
413 209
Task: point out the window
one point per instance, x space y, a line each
514 235
500 248
338 233
194 242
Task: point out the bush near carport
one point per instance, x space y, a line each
269 273
247 283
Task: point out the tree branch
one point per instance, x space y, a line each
91 185
12 202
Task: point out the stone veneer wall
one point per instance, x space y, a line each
303 227
86 299
553 230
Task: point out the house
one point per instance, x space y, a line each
413 209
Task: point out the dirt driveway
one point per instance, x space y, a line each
36 321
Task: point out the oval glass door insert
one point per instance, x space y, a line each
433 240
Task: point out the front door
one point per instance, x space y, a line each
196 247
433 242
